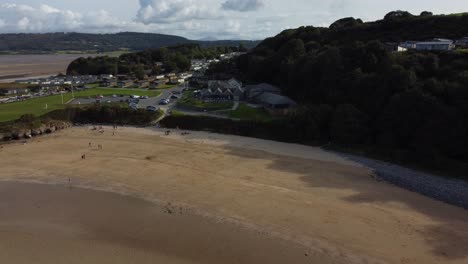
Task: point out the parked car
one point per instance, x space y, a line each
114 95
133 106
174 97
163 102
176 92
152 108
135 96
144 97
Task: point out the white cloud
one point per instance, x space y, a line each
27 19
243 5
169 11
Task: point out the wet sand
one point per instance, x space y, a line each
246 196
59 224
14 67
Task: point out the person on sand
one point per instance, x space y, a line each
90 145
83 157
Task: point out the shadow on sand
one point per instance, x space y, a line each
448 239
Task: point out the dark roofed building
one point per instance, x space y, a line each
275 101
254 91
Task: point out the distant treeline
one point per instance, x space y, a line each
175 58
53 42
354 92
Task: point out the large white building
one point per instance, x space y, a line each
436 44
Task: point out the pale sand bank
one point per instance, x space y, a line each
303 195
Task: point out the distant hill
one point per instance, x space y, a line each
80 42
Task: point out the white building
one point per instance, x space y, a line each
436 44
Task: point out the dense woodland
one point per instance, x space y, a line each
410 106
54 42
175 58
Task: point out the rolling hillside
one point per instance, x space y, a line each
79 42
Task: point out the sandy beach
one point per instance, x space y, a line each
209 198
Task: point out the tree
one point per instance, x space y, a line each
346 23
349 125
139 72
397 15
426 13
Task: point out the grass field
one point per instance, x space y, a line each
37 107
246 112
162 87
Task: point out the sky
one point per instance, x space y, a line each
200 19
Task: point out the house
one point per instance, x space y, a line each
157 84
463 42
275 101
408 45
394 47
253 92
15 91
124 83
224 90
436 44
109 83
105 76
141 84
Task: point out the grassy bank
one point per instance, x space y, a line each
245 112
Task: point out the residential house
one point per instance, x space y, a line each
141 84
276 101
157 84
224 90
253 92
408 45
124 83
109 83
463 42
394 47
15 91
436 44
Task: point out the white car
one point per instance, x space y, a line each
135 96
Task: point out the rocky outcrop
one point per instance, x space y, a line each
22 133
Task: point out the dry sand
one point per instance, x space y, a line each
208 198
